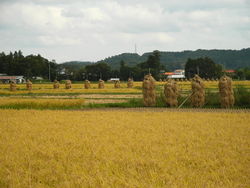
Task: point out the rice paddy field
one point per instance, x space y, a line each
77 89
124 148
58 138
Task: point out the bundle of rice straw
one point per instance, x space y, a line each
149 95
56 84
12 85
68 84
171 93
198 92
117 84
101 84
87 84
226 92
130 83
29 85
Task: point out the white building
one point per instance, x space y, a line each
7 79
177 74
114 79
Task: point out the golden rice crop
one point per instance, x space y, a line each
138 149
185 87
40 103
210 84
71 91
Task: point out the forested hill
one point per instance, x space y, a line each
74 65
230 59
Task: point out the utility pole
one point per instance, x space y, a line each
49 71
198 70
135 49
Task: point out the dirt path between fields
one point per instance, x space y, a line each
193 110
103 101
84 96
122 96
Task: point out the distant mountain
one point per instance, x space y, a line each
131 59
74 65
230 59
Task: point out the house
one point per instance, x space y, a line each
113 79
177 74
6 79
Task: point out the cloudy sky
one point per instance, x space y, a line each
91 30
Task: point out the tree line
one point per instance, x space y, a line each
32 66
103 70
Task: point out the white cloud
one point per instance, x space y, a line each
93 29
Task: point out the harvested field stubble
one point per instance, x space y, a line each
138 149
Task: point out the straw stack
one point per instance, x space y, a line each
171 93
130 83
226 92
87 84
12 85
117 84
56 84
101 84
68 84
29 85
198 92
148 86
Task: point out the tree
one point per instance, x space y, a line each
243 74
29 66
125 71
97 71
204 67
152 65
